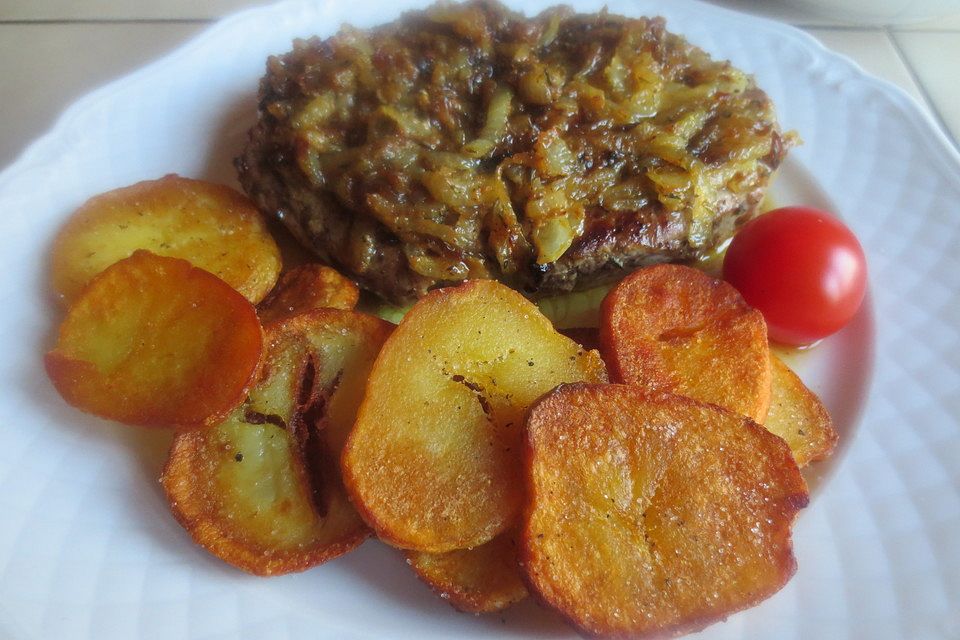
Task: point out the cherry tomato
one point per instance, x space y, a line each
802 268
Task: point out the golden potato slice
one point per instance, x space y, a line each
154 341
432 463
309 286
479 580
653 515
262 490
211 225
797 415
673 328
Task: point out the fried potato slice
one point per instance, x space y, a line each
432 463
262 490
211 225
673 328
154 341
653 515
797 415
480 580
308 286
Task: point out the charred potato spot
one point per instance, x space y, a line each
262 489
212 226
153 341
432 462
653 515
673 328
479 580
798 416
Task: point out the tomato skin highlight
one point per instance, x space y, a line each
802 268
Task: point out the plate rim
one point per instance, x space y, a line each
928 130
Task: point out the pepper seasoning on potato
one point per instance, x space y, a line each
432 462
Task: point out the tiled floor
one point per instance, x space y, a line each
44 67
873 50
53 51
934 58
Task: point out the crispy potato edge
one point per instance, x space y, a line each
351 482
812 406
787 564
319 284
66 291
192 512
177 472
609 338
464 600
61 368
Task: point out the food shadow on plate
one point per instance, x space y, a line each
844 381
84 434
382 570
226 144
228 140
149 445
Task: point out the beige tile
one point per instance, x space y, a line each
792 11
781 10
947 23
934 57
874 51
858 13
120 9
44 68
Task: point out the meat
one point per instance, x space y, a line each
466 141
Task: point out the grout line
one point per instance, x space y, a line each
903 28
836 27
931 105
109 21
908 29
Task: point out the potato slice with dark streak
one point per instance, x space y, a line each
797 415
309 286
479 580
653 515
262 490
674 328
433 460
153 341
212 226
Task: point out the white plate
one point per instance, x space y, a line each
88 548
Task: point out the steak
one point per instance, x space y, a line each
553 153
